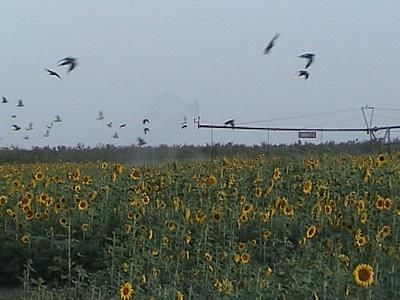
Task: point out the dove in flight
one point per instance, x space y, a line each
310 58
71 61
271 44
52 73
303 73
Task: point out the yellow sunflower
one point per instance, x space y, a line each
380 160
208 256
387 204
307 187
266 234
258 192
364 217
360 241
126 291
82 205
62 221
38 176
289 211
25 239
171 226
363 275
179 296
380 203
245 258
3 199
311 231
216 215
384 232
276 175
211 180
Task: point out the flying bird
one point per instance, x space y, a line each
146 130
184 123
122 125
20 103
115 135
146 121
310 58
4 100
26 137
57 119
230 122
50 125
101 115
13 116
72 62
303 73
52 73
271 44
47 134
141 141
16 127
109 124
30 127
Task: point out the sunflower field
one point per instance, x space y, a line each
265 228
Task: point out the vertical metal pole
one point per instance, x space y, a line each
389 142
212 144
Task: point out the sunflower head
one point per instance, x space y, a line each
126 291
311 231
38 176
380 160
307 187
245 258
363 275
387 204
380 203
82 205
211 180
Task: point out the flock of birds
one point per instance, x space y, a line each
308 56
72 63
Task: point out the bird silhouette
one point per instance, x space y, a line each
122 125
310 58
16 127
13 116
47 134
72 62
303 73
30 127
4 100
146 121
109 124
52 73
101 115
20 103
115 135
271 44
50 125
26 137
141 141
184 123
57 119
146 130
230 122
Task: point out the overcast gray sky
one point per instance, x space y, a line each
166 60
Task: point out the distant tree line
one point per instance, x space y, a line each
164 153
